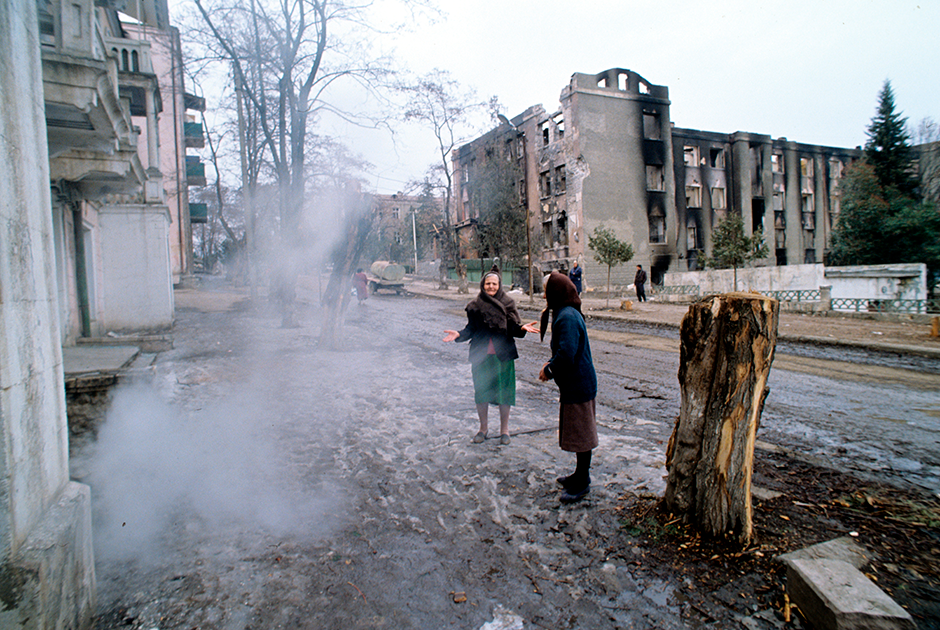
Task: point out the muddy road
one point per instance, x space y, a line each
260 481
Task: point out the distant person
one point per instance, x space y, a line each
361 284
572 369
493 325
638 281
575 276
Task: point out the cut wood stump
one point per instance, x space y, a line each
727 347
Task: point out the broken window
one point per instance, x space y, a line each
651 127
835 168
545 184
654 177
809 257
693 196
780 238
622 84
691 155
691 232
644 88
719 200
657 229
560 179
806 167
602 83
522 195
559 125
776 163
716 158
778 202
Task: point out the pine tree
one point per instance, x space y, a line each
888 148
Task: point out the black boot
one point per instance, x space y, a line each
578 484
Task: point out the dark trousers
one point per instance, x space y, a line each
640 293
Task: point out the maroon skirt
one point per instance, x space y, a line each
577 430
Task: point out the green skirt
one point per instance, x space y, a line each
494 381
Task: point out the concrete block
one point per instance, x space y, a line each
50 582
834 595
844 548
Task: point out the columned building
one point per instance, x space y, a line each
611 157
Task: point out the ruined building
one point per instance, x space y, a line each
610 156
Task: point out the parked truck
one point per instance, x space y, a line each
386 275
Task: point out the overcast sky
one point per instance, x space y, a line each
807 70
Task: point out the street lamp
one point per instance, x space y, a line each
528 221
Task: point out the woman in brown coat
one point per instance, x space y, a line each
572 369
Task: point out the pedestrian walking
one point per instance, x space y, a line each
493 324
361 284
572 369
638 281
575 276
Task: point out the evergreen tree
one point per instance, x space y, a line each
888 148
882 219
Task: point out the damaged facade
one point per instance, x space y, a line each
610 156
114 103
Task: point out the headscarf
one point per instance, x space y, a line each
559 293
496 310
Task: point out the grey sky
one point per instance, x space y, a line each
807 70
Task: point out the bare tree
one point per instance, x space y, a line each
440 102
284 59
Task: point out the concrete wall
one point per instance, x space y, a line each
788 278
46 559
137 283
870 282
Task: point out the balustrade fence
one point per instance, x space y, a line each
857 305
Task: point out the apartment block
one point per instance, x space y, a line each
610 156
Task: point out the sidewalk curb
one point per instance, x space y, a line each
609 315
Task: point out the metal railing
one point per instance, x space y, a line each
865 305
684 289
809 295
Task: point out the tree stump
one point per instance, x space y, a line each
727 347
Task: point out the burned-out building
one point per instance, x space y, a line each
610 156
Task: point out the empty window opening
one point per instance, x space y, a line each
691 232
716 158
657 229
719 200
835 168
651 127
654 177
644 88
602 83
561 183
809 257
562 229
776 163
135 61
806 167
781 257
757 215
559 121
522 194
690 155
693 196
780 239
546 133
807 204
545 184
622 83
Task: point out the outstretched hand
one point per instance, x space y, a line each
451 335
531 327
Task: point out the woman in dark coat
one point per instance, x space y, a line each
492 326
572 369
